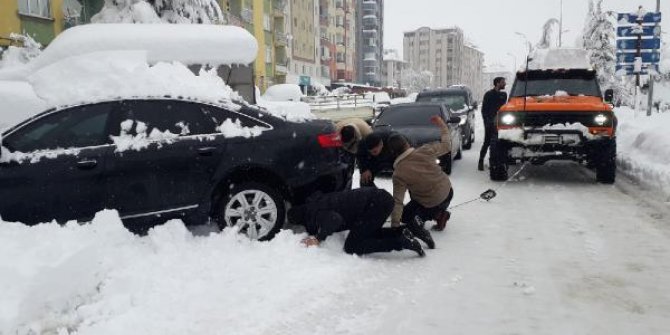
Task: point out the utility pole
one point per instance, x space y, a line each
560 27
650 101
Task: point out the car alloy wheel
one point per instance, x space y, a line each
254 212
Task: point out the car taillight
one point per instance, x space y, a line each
330 140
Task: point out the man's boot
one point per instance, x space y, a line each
416 228
480 166
441 218
408 242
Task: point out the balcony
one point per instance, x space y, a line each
370 5
281 69
370 33
279 7
370 22
339 4
281 39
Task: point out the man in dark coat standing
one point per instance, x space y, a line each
493 100
361 211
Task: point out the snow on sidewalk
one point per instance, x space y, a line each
643 148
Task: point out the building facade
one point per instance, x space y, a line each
445 53
393 67
369 41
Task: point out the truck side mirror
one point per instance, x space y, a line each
609 95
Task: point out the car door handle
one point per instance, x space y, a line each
87 164
206 151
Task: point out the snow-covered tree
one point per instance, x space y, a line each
159 11
598 39
549 30
415 81
19 55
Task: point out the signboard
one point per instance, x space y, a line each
653 43
632 18
631 32
629 68
647 57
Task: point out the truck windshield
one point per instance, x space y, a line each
541 83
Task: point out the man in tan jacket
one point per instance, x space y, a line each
416 171
352 131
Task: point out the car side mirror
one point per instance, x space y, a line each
475 105
609 95
454 119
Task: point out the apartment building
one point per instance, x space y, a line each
369 41
446 54
392 68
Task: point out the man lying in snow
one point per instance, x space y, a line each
363 212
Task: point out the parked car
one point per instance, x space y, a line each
413 121
460 102
157 159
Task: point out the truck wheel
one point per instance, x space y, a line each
256 209
606 163
497 161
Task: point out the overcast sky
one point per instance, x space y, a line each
491 25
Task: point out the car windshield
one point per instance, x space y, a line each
552 83
408 115
454 102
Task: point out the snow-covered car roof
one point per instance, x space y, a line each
184 43
559 58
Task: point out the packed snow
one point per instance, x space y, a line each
562 58
19 102
517 134
283 92
187 44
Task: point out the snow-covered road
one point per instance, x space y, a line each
554 253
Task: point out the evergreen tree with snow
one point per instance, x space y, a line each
159 11
598 39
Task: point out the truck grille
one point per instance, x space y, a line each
539 119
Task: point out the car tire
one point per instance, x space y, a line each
469 140
606 163
256 209
498 161
459 154
445 163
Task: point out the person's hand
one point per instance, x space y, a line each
395 224
437 120
366 176
310 242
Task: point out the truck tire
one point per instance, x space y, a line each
497 161
606 163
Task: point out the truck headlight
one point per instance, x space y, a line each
600 119
508 119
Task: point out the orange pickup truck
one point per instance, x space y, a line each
556 114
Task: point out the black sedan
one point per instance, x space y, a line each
413 121
460 102
157 159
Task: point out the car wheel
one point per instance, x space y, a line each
459 154
497 161
469 139
606 164
255 209
445 162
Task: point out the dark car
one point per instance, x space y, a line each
157 159
458 99
413 121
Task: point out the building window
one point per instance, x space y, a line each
39 8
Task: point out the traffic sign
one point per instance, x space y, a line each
652 43
647 31
647 57
632 18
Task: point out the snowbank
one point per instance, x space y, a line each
563 58
102 76
18 102
100 279
643 145
283 92
187 44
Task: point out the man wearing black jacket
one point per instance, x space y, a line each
361 211
373 157
493 100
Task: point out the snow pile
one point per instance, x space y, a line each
18 102
517 134
643 148
35 156
187 44
100 279
19 56
235 129
293 111
102 76
562 58
283 92
126 141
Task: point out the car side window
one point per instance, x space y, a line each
220 115
77 127
177 117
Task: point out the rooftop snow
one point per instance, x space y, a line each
19 102
185 43
563 58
